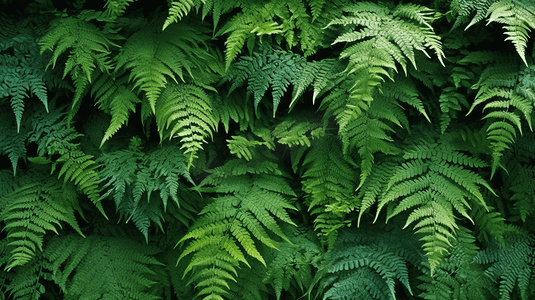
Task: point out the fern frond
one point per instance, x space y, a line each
22 68
231 225
153 57
114 97
179 9
102 266
287 21
275 69
292 267
329 182
27 282
510 263
458 276
89 50
518 19
364 266
116 8
506 103
432 184
184 111
129 176
30 212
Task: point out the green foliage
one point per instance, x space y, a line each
510 264
131 177
101 266
89 50
367 265
32 210
254 196
296 149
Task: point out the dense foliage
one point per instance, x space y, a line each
267 149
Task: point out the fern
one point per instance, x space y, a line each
26 283
431 184
32 210
329 181
184 111
255 198
89 50
510 263
458 276
276 69
379 38
364 266
101 266
153 57
22 72
129 176
285 20
506 104
115 98
463 9
116 8
292 267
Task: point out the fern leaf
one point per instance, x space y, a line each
26 283
116 8
230 226
115 98
363 266
506 104
90 49
101 266
509 264
153 57
184 111
433 184
328 181
180 9
31 211
518 22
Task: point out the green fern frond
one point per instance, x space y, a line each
153 57
102 266
131 178
179 9
244 145
363 266
27 282
451 102
292 267
80 168
510 263
231 225
506 104
273 69
184 111
432 184
116 8
329 182
299 130
89 50
518 19
114 97
464 9
30 212
12 144
287 21
458 276
22 68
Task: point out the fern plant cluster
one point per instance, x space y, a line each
297 149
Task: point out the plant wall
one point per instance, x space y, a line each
296 149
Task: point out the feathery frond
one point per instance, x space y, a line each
153 57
